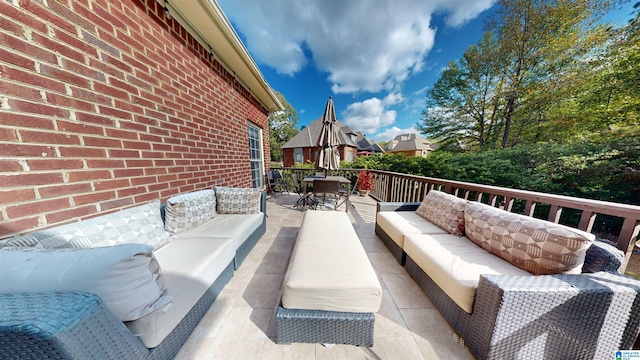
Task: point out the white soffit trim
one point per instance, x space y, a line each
206 18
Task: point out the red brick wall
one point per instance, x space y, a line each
105 104
287 157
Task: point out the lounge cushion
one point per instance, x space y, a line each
444 210
398 224
127 277
238 200
237 227
186 211
189 267
537 246
329 269
455 265
140 224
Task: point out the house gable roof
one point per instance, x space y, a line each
365 144
308 136
410 142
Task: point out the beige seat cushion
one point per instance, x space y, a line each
455 264
235 226
329 269
398 224
189 267
537 246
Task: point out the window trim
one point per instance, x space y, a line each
261 165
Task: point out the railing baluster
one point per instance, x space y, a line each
629 232
530 208
554 214
508 203
586 220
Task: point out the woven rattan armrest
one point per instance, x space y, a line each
397 206
589 316
64 325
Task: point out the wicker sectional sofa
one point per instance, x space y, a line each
513 286
128 285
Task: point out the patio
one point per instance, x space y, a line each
241 323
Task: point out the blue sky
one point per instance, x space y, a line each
376 58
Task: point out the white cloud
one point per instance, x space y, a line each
392 99
370 115
362 45
391 133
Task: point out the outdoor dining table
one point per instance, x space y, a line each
343 181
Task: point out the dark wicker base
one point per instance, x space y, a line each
394 249
327 327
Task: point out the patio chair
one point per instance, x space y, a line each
275 182
322 188
349 190
305 199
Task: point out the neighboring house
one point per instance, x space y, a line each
303 148
411 145
367 146
111 103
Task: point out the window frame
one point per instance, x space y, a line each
256 155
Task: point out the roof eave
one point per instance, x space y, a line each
211 25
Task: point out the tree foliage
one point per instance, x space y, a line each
282 127
608 171
544 70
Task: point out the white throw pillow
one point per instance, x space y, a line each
127 277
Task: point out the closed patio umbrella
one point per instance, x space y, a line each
328 157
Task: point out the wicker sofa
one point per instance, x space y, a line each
507 300
127 285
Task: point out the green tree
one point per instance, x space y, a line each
282 127
538 41
463 105
610 99
516 84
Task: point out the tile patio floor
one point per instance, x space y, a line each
241 322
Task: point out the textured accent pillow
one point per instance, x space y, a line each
189 210
238 200
444 210
127 277
140 224
537 246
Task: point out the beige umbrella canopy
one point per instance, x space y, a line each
328 157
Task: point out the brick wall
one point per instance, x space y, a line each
105 104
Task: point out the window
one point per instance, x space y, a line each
350 156
297 155
256 156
